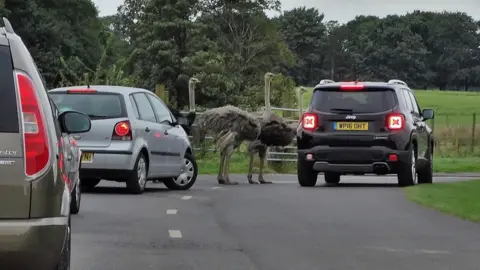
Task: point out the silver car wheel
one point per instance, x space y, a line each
141 172
186 174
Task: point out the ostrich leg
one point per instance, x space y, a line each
227 144
220 179
262 153
252 149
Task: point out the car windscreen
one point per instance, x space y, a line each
96 105
365 101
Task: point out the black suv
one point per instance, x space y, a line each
365 127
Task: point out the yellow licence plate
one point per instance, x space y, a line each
350 126
87 157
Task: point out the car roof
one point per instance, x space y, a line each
125 90
392 85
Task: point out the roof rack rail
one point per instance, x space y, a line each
326 81
395 81
8 26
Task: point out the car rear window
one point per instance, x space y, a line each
8 98
96 105
365 101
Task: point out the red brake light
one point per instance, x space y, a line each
37 148
352 87
395 121
310 121
122 131
81 91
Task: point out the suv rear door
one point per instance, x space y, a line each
15 190
352 115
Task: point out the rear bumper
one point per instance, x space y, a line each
108 160
106 174
354 159
33 243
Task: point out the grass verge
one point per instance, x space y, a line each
460 199
208 164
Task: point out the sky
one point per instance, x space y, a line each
345 10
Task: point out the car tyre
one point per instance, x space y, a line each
307 177
88 184
76 199
332 178
138 179
64 263
425 175
187 177
407 175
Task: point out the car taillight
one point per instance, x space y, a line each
352 87
37 148
122 131
310 121
395 121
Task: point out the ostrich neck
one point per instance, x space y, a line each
191 96
267 95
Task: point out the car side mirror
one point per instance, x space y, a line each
428 114
74 122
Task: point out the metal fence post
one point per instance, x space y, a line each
474 125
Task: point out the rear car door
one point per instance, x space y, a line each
158 163
420 125
173 144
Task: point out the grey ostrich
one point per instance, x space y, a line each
232 126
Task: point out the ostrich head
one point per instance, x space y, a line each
191 92
268 80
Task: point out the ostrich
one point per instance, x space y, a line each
187 121
232 126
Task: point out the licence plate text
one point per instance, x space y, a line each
350 126
87 157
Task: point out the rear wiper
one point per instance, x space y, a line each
341 110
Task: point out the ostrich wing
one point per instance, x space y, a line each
230 118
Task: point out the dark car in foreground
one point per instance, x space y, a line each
35 191
365 128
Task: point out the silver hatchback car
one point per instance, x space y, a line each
134 138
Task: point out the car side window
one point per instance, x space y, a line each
416 107
407 100
144 108
134 107
161 111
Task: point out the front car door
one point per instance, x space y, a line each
151 131
422 129
173 145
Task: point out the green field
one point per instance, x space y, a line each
460 199
453 130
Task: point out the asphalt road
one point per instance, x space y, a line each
269 227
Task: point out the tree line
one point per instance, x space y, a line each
229 45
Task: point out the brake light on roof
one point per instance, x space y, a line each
352 87
87 90
310 121
122 131
37 147
395 121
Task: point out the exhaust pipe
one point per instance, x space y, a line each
381 168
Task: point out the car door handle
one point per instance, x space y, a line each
147 129
165 132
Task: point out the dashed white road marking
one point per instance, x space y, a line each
427 251
186 197
175 233
172 211
216 187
